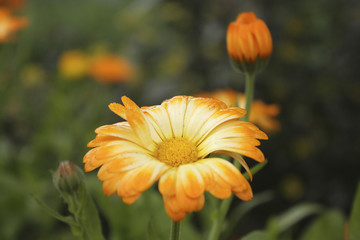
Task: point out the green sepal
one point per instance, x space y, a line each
249 67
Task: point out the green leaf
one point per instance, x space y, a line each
329 226
256 235
66 219
244 208
295 214
88 216
283 222
354 224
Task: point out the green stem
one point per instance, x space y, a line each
218 223
175 231
249 92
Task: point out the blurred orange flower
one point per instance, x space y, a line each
261 113
9 24
73 64
248 39
13 4
110 68
173 143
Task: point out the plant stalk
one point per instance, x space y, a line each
218 223
175 231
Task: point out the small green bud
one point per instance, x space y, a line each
68 177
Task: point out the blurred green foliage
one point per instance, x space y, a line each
330 225
178 47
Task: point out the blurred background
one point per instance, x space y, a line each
68 60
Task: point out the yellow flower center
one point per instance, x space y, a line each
176 152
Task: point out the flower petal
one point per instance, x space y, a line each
138 180
238 158
197 113
140 127
227 176
175 215
120 130
118 109
218 118
160 121
191 180
167 182
176 108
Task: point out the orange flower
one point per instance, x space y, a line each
9 24
248 41
173 143
13 4
261 113
73 64
110 69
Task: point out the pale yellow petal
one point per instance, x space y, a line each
233 145
141 128
198 112
217 119
176 108
160 122
120 130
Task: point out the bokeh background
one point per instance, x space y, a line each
176 47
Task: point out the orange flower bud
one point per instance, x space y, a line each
249 42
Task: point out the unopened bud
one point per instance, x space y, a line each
68 177
249 43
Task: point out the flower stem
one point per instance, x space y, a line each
175 231
249 92
218 223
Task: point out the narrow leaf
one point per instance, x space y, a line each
256 235
329 226
245 207
66 219
295 214
354 224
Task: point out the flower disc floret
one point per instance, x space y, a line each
176 152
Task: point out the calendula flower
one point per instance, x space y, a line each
261 114
249 43
9 24
73 64
110 68
173 143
